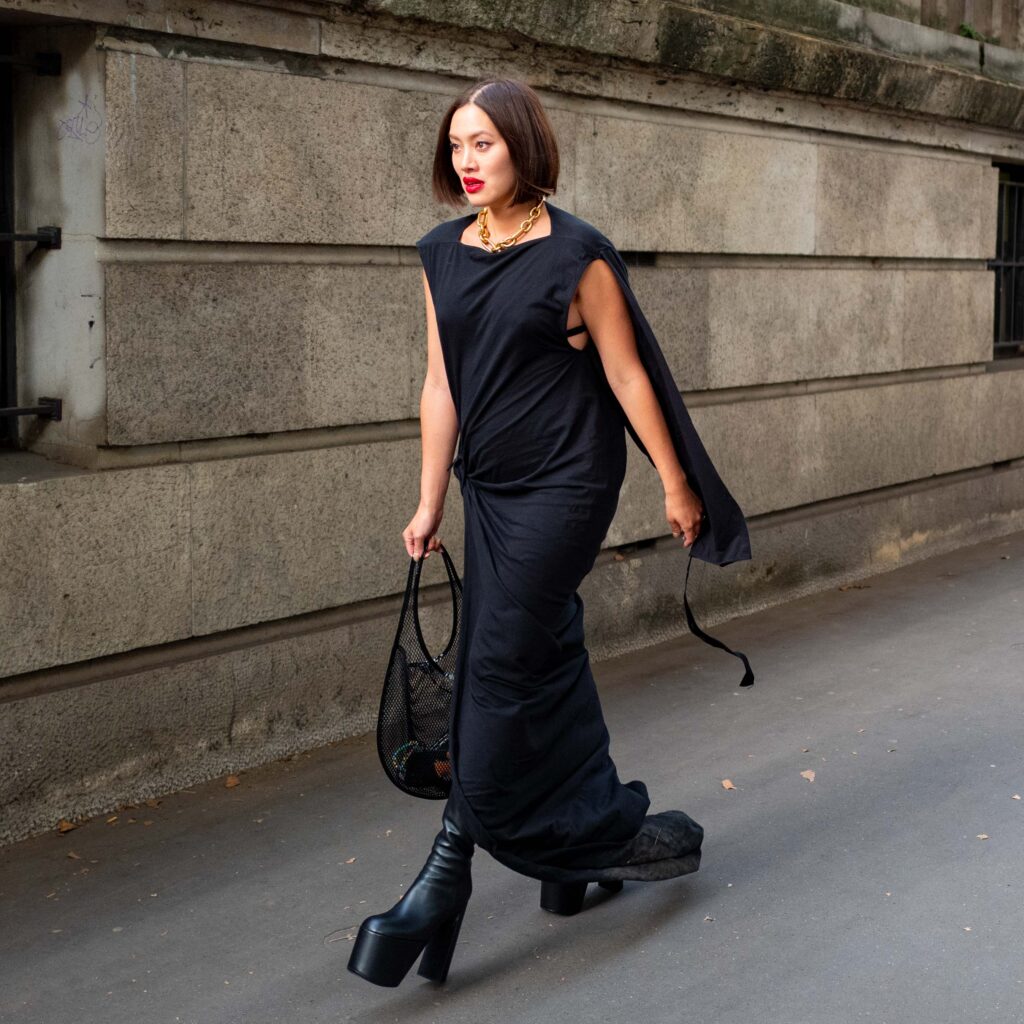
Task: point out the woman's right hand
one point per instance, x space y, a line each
422 532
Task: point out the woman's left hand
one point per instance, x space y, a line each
684 512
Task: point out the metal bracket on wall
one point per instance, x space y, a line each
47 409
47 237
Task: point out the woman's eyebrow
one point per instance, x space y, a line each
482 131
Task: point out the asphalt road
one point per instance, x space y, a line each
887 889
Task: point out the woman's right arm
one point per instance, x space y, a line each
439 430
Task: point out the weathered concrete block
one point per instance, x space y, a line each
212 350
83 750
875 203
947 317
673 188
145 141
283 534
93 564
738 326
283 158
1003 62
287 158
100 563
779 453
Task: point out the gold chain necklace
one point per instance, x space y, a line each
485 235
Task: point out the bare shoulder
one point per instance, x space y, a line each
599 286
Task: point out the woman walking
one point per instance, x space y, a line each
538 357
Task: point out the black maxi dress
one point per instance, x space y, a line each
541 458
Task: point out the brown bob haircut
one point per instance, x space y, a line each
521 121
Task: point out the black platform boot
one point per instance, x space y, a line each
426 919
667 845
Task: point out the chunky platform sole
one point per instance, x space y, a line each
386 959
566 898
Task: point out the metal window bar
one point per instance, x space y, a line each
8 368
1009 265
45 238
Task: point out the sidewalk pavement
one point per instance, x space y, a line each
888 889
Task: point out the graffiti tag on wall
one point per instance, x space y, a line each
84 125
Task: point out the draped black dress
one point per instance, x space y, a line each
541 459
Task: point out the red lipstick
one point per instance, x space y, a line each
472 184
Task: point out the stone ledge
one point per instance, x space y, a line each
855 26
22 467
682 40
821 48
894 31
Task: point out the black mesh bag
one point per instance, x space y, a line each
412 724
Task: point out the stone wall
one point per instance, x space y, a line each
996 24
202 565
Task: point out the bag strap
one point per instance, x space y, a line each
415 570
748 675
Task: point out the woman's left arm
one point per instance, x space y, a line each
603 308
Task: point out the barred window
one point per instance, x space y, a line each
1009 263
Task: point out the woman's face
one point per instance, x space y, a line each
479 154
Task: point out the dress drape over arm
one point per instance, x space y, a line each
723 537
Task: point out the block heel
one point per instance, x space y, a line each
562 897
566 898
437 957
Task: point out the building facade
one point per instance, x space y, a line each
200 560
